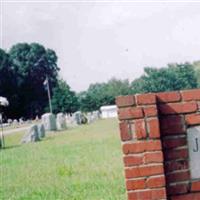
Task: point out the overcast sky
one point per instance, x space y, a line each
97 41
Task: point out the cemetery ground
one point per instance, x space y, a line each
81 163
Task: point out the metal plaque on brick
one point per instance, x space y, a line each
193 137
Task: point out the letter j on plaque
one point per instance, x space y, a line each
193 137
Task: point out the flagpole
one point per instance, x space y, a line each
2 136
49 95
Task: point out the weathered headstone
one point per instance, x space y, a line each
49 121
41 130
89 118
21 121
15 122
9 121
60 121
193 136
80 118
32 135
77 117
68 119
96 114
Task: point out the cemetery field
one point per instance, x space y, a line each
81 163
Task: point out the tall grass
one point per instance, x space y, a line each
83 163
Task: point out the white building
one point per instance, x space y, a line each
108 111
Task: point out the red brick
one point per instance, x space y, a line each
153 157
193 196
136 147
177 189
174 142
166 97
171 125
140 129
177 177
139 147
142 171
155 182
130 113
176 165
133 160
155 194
153 145
195 186
146 99
125 131
192 119
135 184
177 108
122 101
150 111
189 95
175 154
154 129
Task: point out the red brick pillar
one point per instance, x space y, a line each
142 148
179 111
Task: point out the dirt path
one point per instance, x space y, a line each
14 130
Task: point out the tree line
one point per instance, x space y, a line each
170 78
25 67
23 71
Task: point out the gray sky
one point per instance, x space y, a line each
97 41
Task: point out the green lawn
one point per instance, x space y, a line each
82 163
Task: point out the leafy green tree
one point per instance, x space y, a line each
92 98
197 71
63 99
31 64
100 94
137 86
185 76
6 74
86 101
8 86
115 87
173 77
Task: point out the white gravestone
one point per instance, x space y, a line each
193 136
89 118
21 121
77 117
49 121
9 121
15 122
68 119
60 121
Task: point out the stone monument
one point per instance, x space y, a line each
77 117
49 122
32 135
60 121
